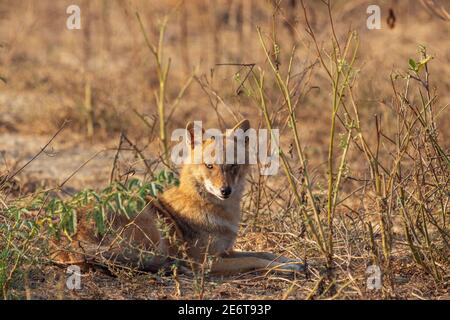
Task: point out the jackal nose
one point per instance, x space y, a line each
225 191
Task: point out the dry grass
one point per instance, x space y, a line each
364 137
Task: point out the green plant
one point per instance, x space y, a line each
29 223
162 68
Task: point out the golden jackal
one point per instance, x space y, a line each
199 217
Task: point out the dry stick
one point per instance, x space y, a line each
330 166
330 16
425 125
402 145
315 289
424 225
428 107
211 102
381 202
209 91
8 178
203 270
317 236
162 71
309 31
139 152
116 157
180 96
396 171
150 126
337 97
258 198
341 168
249 65
81 167
334 188
286 95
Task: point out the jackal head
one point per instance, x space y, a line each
220 174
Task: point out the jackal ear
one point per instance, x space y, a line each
244 125
190 136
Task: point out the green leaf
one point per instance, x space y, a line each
161 177
120 205
412 64
155 188
99 218
133 183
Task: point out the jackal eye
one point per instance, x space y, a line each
209 166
